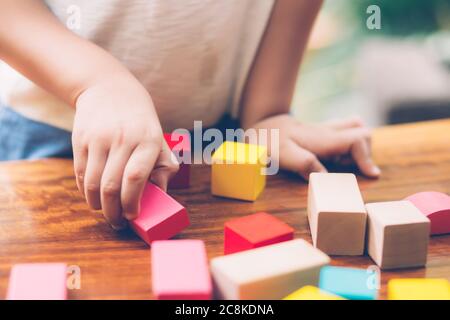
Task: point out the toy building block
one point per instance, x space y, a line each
269 272
179 144
436 207
336 213
161 217
312 293
350 283
253 231
418 289
238 171
398 234
180 270
38 281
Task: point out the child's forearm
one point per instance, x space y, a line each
271 82
36 44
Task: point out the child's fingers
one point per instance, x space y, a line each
92 180
111 184
344 140
80 155
166 167
135 177
361 154
300 160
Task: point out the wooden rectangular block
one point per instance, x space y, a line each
38 281
398 235
312 293
180 270
238 171
418 289
269 272
349 283
436 207
161 217
336 213
254 231
180 145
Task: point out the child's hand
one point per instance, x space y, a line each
118 144
302 145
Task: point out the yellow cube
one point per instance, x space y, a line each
312 293
238 170
418 289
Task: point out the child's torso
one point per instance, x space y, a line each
193 56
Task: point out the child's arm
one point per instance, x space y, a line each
117 137
269 90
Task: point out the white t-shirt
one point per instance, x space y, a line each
193 56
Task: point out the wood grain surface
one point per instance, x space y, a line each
43 218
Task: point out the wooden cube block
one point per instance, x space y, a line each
436 207
253 231
180 270
350 283
38 281
180 144
238 171
398 234
418 289
161 217
312 293
269 272
336 213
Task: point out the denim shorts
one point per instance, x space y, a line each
22 138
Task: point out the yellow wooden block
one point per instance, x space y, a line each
418 289
312 293
238 170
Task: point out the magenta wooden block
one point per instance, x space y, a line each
436 206
161 217
180 270
254 231
180 145
38 281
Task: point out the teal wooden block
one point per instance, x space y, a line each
350 283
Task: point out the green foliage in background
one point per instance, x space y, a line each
406 17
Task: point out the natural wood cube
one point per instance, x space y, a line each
269 272
398 234
336 213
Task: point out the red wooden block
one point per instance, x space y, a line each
436 206
253 231
179 144
161 217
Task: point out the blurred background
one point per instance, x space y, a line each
398 73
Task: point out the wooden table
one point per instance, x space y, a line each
43 218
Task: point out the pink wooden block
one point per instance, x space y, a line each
254 231
180 270
436 206
179 145
161 217
38 281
